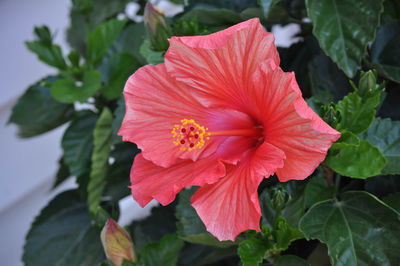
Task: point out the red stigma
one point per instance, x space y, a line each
183 141
196 136
191 128
183 130
191 145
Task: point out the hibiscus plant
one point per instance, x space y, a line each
257 154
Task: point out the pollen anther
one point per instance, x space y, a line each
188 135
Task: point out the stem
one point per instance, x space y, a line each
329 174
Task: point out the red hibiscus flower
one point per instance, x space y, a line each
222 115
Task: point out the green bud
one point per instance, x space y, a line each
367 83
279 198
330 114
117 243
157 27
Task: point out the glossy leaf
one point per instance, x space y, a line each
63 235
164 252
68 91
339 31
116 71
385 51
190 227
253 251
77 143
101 38
359 229
284 234
385 135
36 112
317 189
357 113
50 54
393 200
355 159
102 136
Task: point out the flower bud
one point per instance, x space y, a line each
117 243
367 82
330 114
157 27
279 197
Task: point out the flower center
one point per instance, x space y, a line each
188 135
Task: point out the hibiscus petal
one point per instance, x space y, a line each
289 123
221 75
154 104
230 206
151 181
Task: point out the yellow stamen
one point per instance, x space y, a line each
188 135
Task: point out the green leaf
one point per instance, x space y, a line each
130 40
342 35
358 160
326 77
385 51
63 235
284 234
317 189
118 180
77 142
36 112
119 116
102 136
190 227
290 260
253 251
359 230
267 5
83 21
116 71
357 113
152 57
62 173
393 200
164 252
51 55
101 38
67 91
385 135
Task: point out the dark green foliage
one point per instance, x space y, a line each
63 235
358 229
36 112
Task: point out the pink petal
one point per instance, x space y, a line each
151 181
289 123
230 206
154 104
221 75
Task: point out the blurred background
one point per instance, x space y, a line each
25 190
